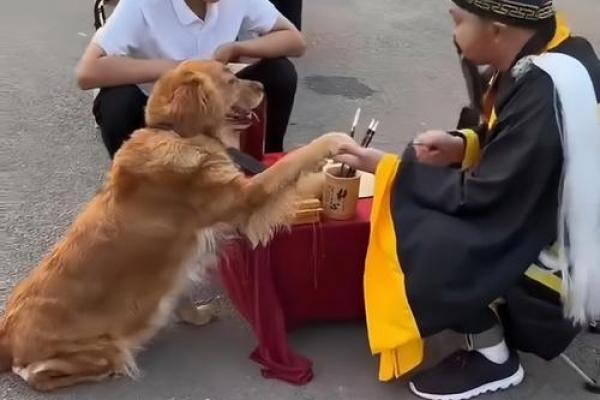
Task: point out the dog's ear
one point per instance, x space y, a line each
150 153
196 101
185 101
211 102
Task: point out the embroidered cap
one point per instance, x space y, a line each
527 13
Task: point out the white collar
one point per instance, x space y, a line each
187 17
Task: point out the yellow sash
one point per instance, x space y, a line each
393 331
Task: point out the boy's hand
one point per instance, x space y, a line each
360 158
227 53
439 148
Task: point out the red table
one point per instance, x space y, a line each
312 273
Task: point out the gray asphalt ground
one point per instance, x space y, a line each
393 58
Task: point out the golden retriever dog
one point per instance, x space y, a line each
113 281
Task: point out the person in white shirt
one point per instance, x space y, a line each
143 39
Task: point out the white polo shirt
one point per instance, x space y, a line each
169 29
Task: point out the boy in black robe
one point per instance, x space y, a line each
464 224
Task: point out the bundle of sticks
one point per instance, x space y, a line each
346 171
308 211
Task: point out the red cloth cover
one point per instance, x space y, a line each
311 273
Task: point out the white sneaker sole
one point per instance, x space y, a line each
502 384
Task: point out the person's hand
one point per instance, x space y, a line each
439 148
360 158
227 53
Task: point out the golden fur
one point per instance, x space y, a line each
111 283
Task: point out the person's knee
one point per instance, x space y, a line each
112 104
119 111
280 75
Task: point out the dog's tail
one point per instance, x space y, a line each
5 351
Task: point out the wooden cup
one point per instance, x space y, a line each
340 194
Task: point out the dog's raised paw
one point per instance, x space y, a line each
333 142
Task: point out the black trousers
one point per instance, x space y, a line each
119 110
291 9
484 320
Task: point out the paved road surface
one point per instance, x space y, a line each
393 58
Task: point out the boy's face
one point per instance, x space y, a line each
473 35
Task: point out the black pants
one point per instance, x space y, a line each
291 9
478 323
120 110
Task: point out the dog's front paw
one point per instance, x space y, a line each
331 143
